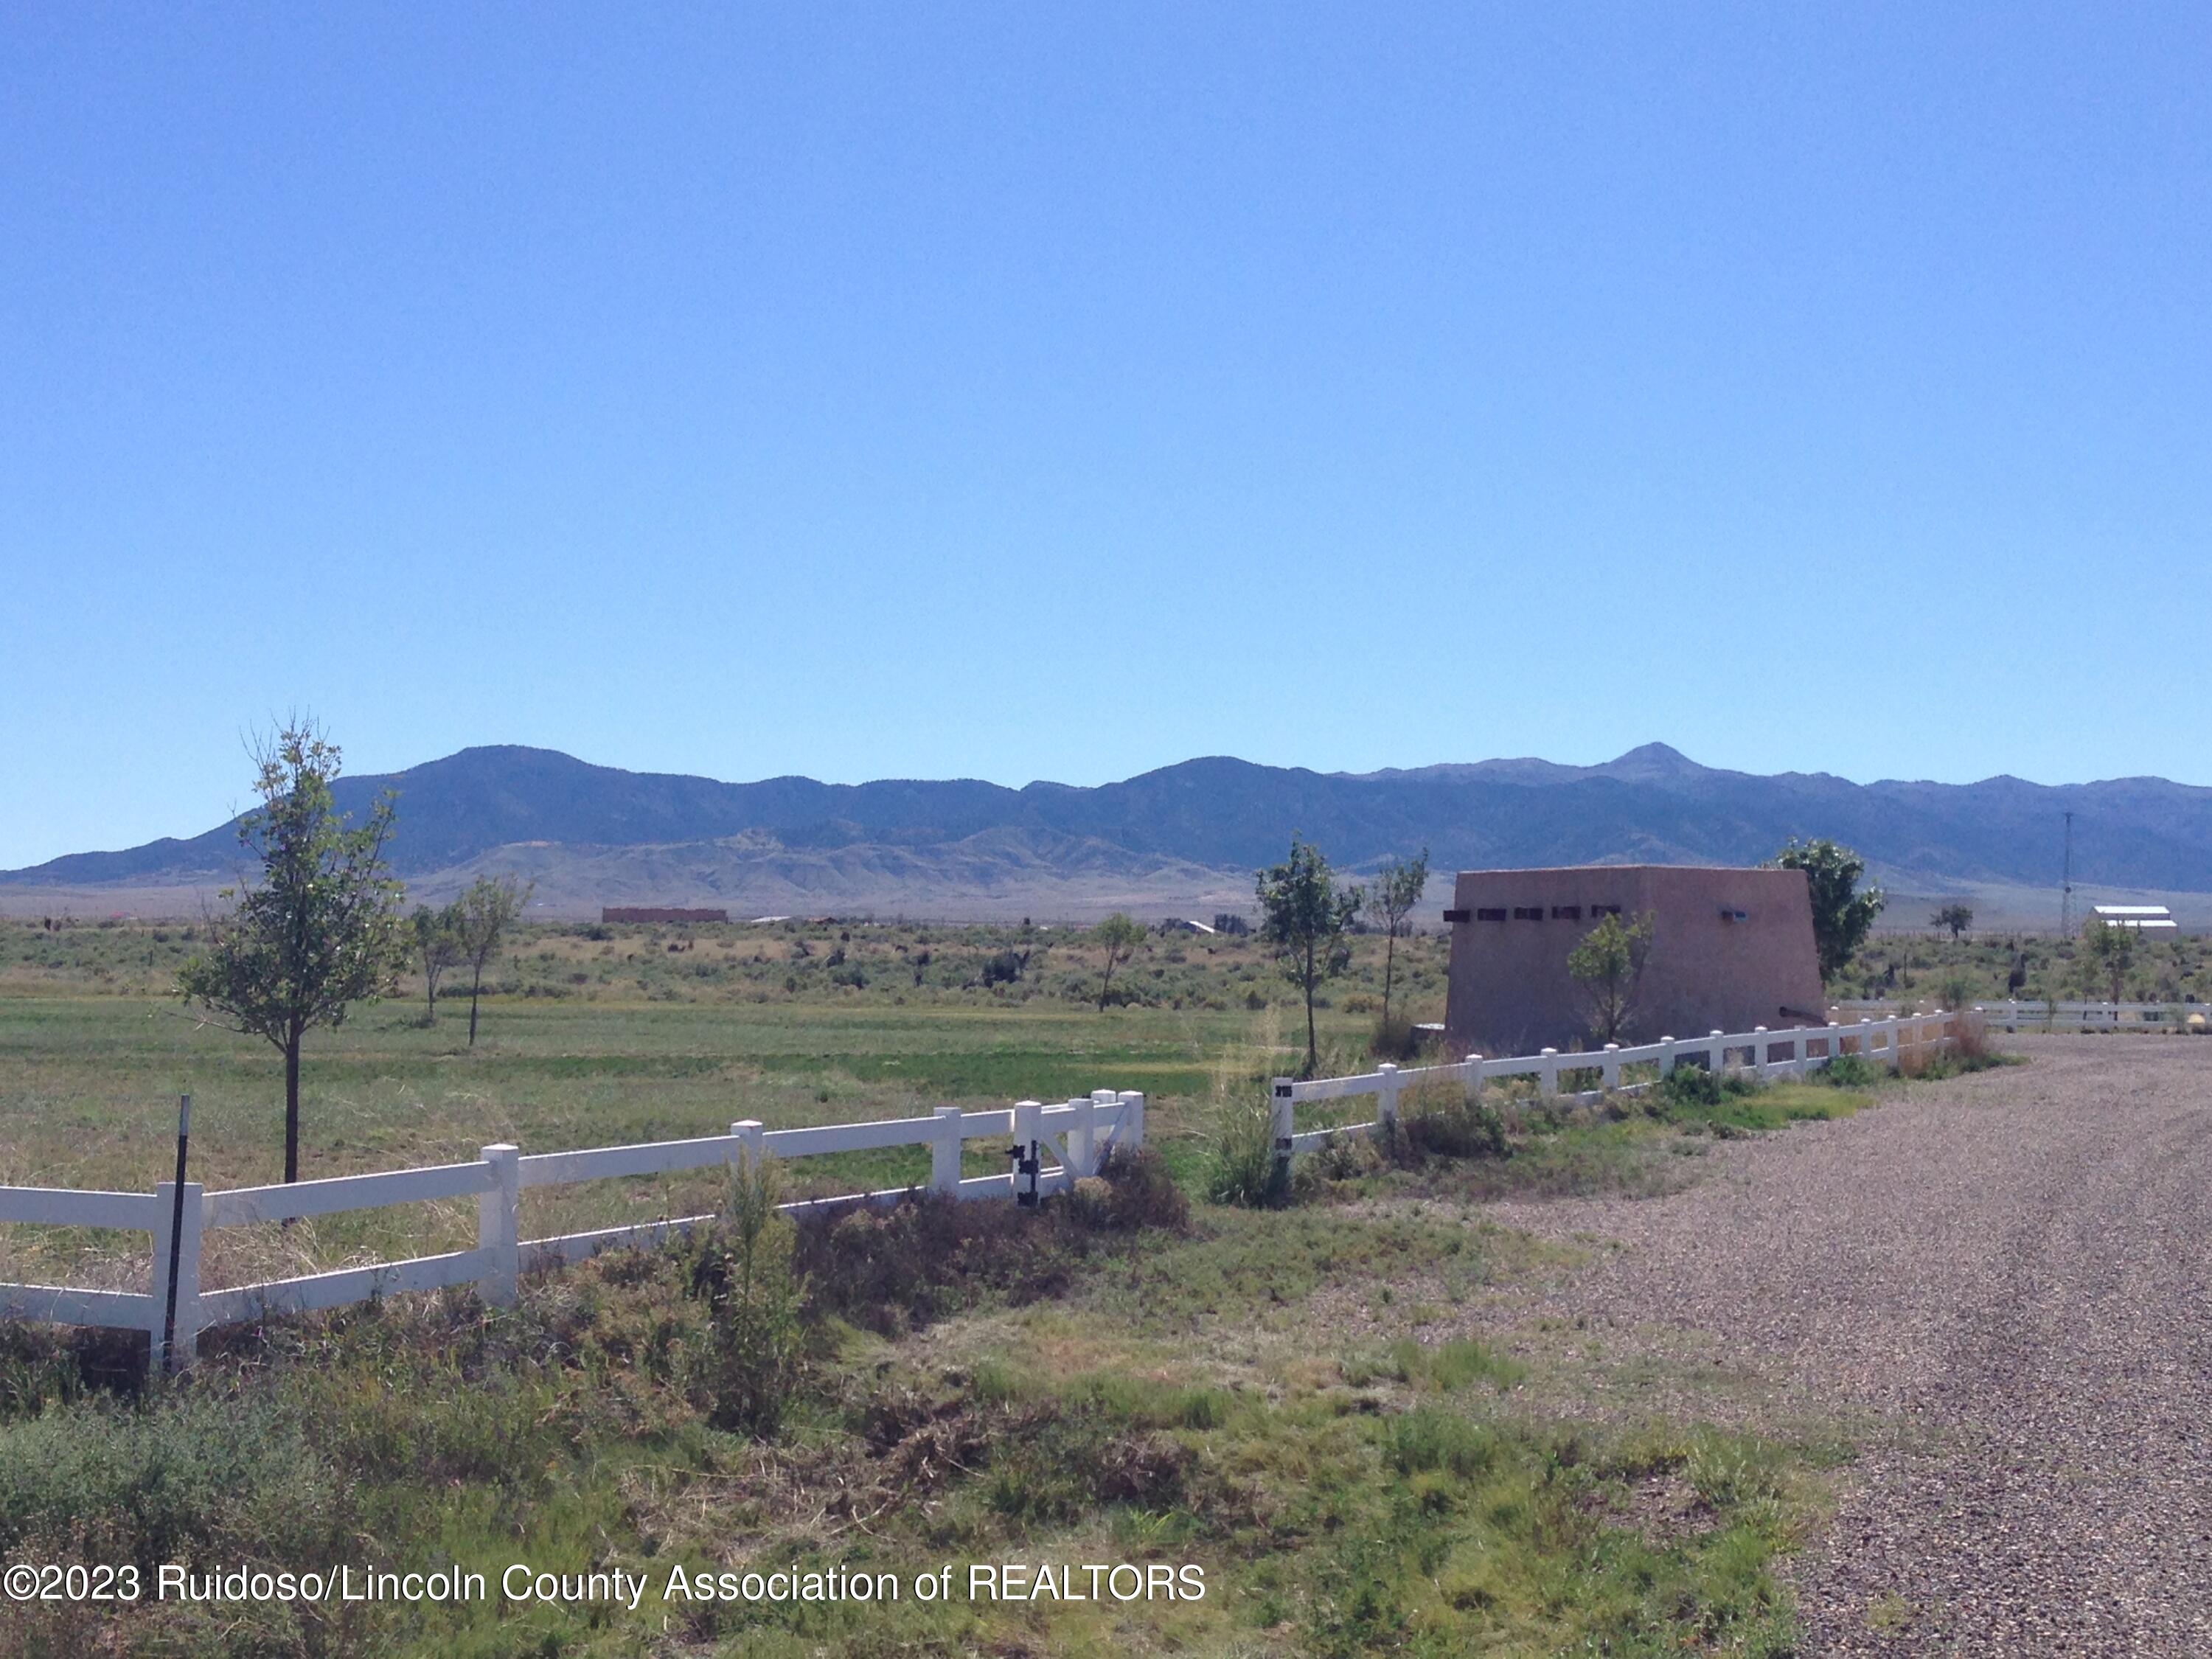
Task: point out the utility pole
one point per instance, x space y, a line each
2066 888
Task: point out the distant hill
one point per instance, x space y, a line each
596 834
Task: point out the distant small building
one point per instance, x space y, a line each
1183 925
659 912
2155 917
1731 949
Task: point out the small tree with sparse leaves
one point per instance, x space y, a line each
486 914
437 936
317 930
1118 936
1398 888
1305 915
2108 954
1607 965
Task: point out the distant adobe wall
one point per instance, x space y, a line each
1732 949
648 913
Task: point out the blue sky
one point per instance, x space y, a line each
1025 391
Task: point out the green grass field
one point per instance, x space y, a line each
1289 1400
94 1053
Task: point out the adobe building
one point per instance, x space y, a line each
1731 949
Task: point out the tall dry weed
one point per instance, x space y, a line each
1241 1116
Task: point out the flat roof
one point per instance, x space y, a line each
1622 869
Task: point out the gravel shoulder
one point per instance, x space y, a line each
2009 1271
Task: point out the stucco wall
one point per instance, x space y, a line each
1511 994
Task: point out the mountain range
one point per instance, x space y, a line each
1188 834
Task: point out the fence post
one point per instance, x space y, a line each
1028 1156
1101 1101
1666 1056
1283 1121
748 1149
1388 1114
1131 1137
1609 1068
1759 1050
499 1227
1081 1129
1716 1054
185 1348
1896 1054
1547 1075
945 1152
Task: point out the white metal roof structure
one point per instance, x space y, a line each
2135 915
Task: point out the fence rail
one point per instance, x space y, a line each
1758 1052
2013 1015
1079 1133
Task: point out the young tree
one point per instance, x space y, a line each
437 947
1398 888
1956 917
485 915
1305 915
1607 967
319 929
1118 935
2108 954
1841 914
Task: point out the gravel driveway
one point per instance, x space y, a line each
2016 1262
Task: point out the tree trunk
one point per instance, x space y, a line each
1389 964
292 1109
1313 1049
475 985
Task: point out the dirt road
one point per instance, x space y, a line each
2012 1269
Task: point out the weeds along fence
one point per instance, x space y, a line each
1079 1133
1892 1042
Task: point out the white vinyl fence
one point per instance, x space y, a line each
1079 1133
2096 1015
2015 1016
1760 1052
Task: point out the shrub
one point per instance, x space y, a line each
187 1476
1456 1364
1244 1169
1970 1039
1689 1086
1850 1072
1429 1437
754 1354
930 1256
43 1365
1131 1190
1053 1468
1392 1039
1454 1122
